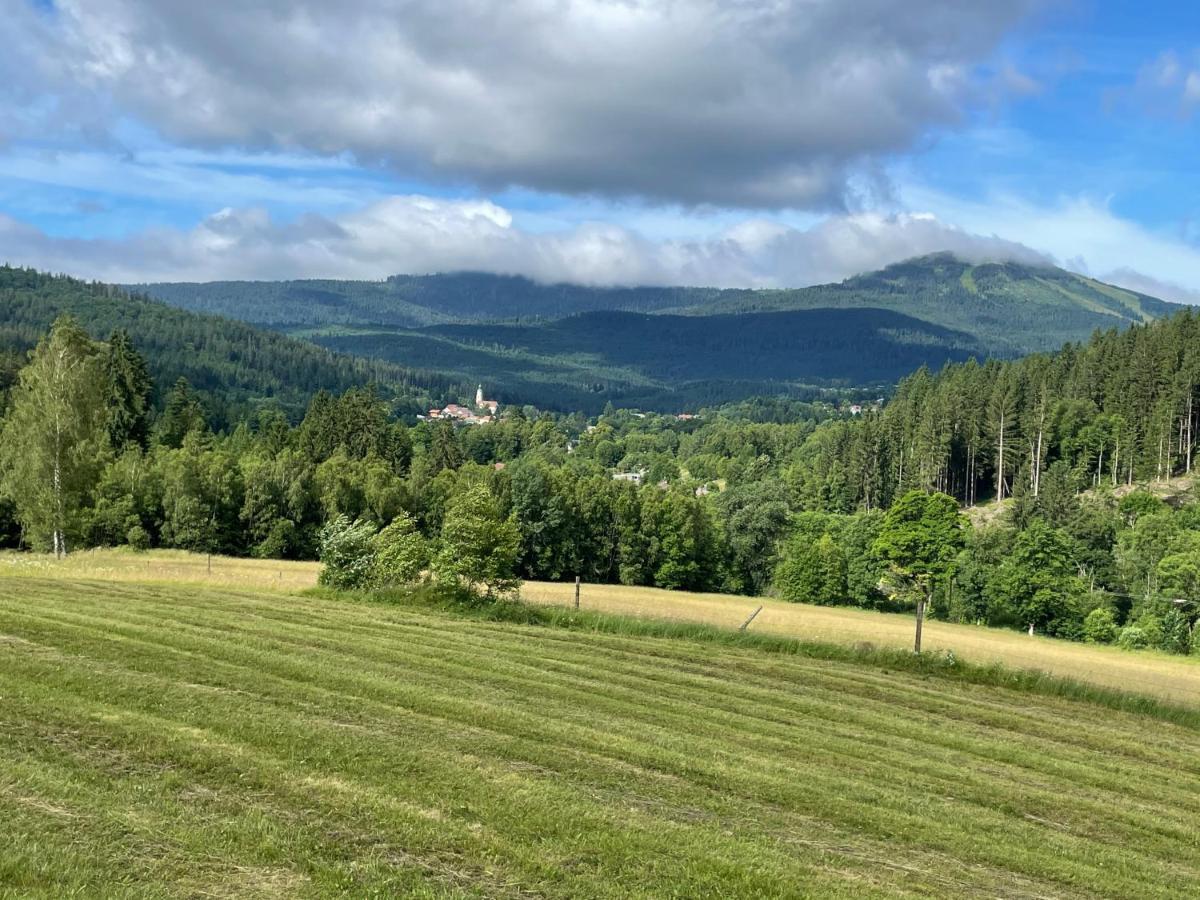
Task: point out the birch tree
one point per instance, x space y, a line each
54 439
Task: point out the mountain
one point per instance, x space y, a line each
573 347
670 361
1011 308
1008 307
236 365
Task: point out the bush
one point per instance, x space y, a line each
1176 636
348 553
279 542
400 553
138 538
1133 638
1100 626
1196 639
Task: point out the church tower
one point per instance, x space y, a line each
479 397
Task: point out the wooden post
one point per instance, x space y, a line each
920 622
577 592
746 624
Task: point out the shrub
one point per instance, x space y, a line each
1133 638
400 553
1100 626
348 553
279 542
1196 639
1176 636
479 547
138 538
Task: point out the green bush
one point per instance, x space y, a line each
138 538
1100 626
1133 638
1176 636
400 553
348 553
1196 639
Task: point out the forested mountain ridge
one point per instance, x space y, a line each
571 347
1009 307
670 362
233 363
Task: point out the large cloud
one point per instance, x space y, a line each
750 103
423 234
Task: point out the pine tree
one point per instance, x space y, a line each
129 388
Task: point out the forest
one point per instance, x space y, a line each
805 501
235 366
571 347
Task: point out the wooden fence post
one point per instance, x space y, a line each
577 592
920 622
746 624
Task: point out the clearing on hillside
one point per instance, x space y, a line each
174 740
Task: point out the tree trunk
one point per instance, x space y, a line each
920 622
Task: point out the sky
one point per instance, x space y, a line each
768 143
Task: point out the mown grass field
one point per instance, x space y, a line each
1172 678
192 740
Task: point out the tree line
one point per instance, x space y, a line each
764 496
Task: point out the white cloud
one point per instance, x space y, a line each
1079 231
1168 85
749 103
423 234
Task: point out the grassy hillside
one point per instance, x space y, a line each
1164 676
233 363
672 362
184 741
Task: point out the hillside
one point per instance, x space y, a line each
234 364
666 361
1009 308
183 741
572 347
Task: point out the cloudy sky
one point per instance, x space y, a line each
723 142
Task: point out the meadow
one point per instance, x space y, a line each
173 739
1172 678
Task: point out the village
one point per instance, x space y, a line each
481 413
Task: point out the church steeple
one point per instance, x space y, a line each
479 397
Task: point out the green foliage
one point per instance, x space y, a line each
1100 626
347 553
1038 579
812 572
1133 637
53 441
400 553
479 547
920 538
1176 632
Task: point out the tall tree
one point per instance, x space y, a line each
54 437
128 393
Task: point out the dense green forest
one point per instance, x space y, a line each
1006 307
672 363
235 366
569 347
797 499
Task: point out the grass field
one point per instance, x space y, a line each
1172 678
190 740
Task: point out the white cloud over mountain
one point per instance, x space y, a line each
744 103
423 234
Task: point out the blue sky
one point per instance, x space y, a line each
605 141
